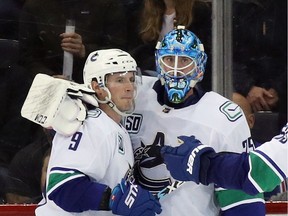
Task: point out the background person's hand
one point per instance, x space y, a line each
72 43
257 97
272 101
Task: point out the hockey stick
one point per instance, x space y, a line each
169 189
68 57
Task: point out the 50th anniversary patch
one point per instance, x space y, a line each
133 122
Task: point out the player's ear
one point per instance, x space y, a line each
251 120
100 92
95 86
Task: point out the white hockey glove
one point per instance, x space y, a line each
57 103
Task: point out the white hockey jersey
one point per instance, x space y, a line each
100 149
214 120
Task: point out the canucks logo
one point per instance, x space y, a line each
95 113
120 144
94 57
231 110
147 157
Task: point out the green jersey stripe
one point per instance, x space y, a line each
271 178
232 197
58 178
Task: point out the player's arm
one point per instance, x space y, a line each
73 191
255 172
193 161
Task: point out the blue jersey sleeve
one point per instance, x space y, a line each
74 191
230 170
244 172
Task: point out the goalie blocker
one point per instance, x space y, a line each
57 103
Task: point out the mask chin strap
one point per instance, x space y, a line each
112 105
193 83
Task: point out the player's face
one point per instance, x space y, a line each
182 64
122 87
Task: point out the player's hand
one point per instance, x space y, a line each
131 199
183 161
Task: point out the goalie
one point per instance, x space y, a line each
174 104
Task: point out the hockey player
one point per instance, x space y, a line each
174 105
255 172
85 166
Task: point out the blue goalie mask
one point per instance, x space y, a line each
180 61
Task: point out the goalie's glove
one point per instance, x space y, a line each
132 200
183 161
57 103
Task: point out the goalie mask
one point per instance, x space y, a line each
180 61
103 62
